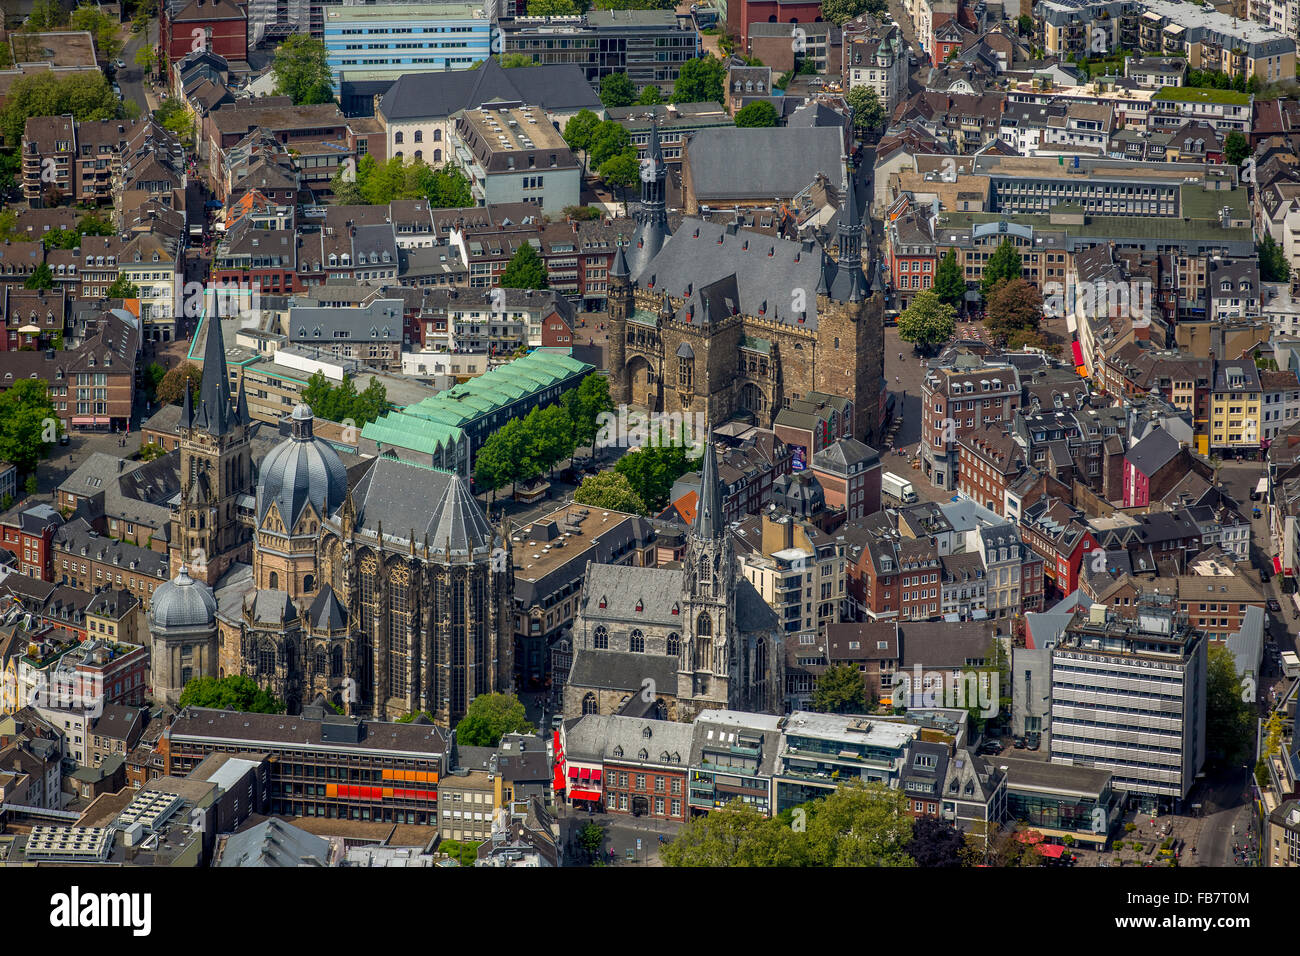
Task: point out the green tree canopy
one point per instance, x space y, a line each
99 25
736 835
608 140
949 283
1273 265
935 843
123 288
489 718
1235 148
1004 263
87 96
171 390
28 423
868 111
525 270
584 405
650 95
760 113
230 693
841 11
579 131
617 90
609 491
552 8
1014 310
839 690
1229 712
652 471
42 277
302 70
342 402
702 80
927 322
621 171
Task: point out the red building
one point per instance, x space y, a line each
1057 533
849 473
741 14
217 25
27 532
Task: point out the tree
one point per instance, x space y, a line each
868 111
489 718
101 26
171 390
634 4
1004 263
949 283
151 379
176 119
230 693
1229 717
980 683
609 491
552 8
608 140
1008 850
46 15
554 434
652 471
736 835
591 837
87 96
450 189
651 95
1235 148
860 825
1014 311
617 90
302 70
927 321
1273 265
839 690
702 80
146 59
410 716
841 11
342 402
1025 23
525 270
621 171
760 113
584 405
41 278
579 131
123 288
28 423
935 843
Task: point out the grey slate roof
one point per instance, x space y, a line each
273 607
602 738
740 163
183 603
1153 452
78 538
326 613
274 843
380 321
621 670
552 87
436 504
301 470
620 586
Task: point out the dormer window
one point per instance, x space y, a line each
604 602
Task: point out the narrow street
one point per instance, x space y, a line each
131 77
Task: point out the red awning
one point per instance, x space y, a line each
1277 565
584 795
586 773
573 771
558 783
1051 850
595 775
1077 350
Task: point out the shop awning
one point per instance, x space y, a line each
573 771
584 795
558 783
1052 851
1277 565
90 420
585 774
595 775
1077 350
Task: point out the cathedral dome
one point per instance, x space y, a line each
301 469
182 602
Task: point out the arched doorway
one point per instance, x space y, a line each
640 806
753 399
642 385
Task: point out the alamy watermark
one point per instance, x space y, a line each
967 690
1100 298
632 428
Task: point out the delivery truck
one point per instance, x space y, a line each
899 489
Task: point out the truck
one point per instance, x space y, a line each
898 488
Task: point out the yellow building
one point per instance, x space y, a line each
797 568
1235 407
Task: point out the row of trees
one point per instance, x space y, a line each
606 145
342 402
526 447
86 96
372 184
230 693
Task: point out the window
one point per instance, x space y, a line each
601 638
636 642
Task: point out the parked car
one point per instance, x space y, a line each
1274 606
1033 741
1020 743
990 747
120 64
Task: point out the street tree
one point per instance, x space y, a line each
171 390
609 491
1004 263
839 690
868 111
927 322
28 424
702 80
489 718
525 270
617 90
302 71
949 283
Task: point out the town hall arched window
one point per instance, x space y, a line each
601 638
589 704
636 642
674 644
704 625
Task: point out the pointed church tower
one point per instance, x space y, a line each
704 671
652 215
216 469
620 303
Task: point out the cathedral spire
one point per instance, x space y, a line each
709 520
651 230
850 235
214 411
187 406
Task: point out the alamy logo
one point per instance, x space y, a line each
56 690
944 689
77 910
630 428
1101 298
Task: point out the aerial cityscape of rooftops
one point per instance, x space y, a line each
545 433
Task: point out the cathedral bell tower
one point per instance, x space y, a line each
708 596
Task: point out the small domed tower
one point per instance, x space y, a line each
183 627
